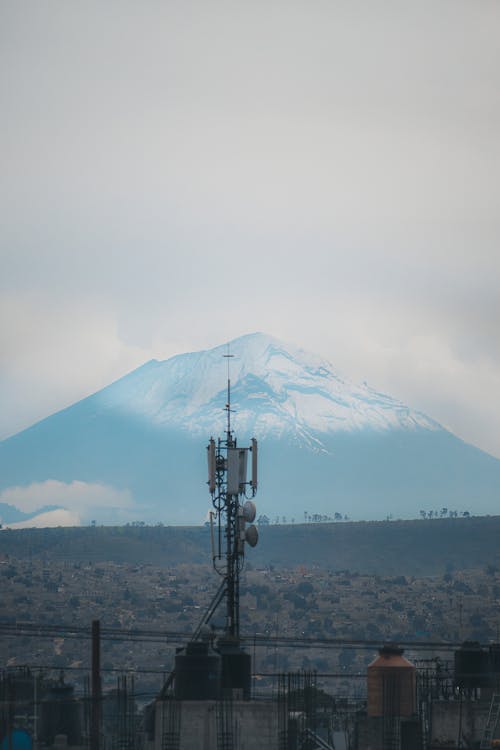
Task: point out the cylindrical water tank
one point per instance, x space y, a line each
494 665
391 684
236 677
471 666
60 713
197 673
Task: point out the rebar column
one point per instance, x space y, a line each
95 716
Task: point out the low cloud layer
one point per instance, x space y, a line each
50 519
84 501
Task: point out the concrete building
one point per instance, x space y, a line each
205 725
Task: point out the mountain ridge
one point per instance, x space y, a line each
138 444
415 547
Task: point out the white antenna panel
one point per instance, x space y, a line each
236 470
211 465
254 465
243 468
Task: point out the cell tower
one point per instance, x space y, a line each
223 670
233 510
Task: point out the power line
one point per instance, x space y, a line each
66 631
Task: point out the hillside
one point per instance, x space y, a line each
421 547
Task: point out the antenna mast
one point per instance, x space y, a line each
228 356
230 490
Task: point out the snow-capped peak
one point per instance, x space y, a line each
276 389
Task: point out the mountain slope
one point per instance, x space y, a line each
276 390
326 445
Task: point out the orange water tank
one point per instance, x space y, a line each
391 684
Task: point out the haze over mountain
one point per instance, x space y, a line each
136 449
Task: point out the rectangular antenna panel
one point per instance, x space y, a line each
236 470
253 483
243 468
211 465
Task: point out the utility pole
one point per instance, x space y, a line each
95 716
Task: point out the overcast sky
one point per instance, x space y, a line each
175 174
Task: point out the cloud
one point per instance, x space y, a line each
81 497
173 178
68 346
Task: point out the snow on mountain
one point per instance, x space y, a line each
136 449
276 390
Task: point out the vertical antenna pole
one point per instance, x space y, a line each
231 503
212 535
231 570
228 401
35 711
228 356
95 726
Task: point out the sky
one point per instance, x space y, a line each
177 174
